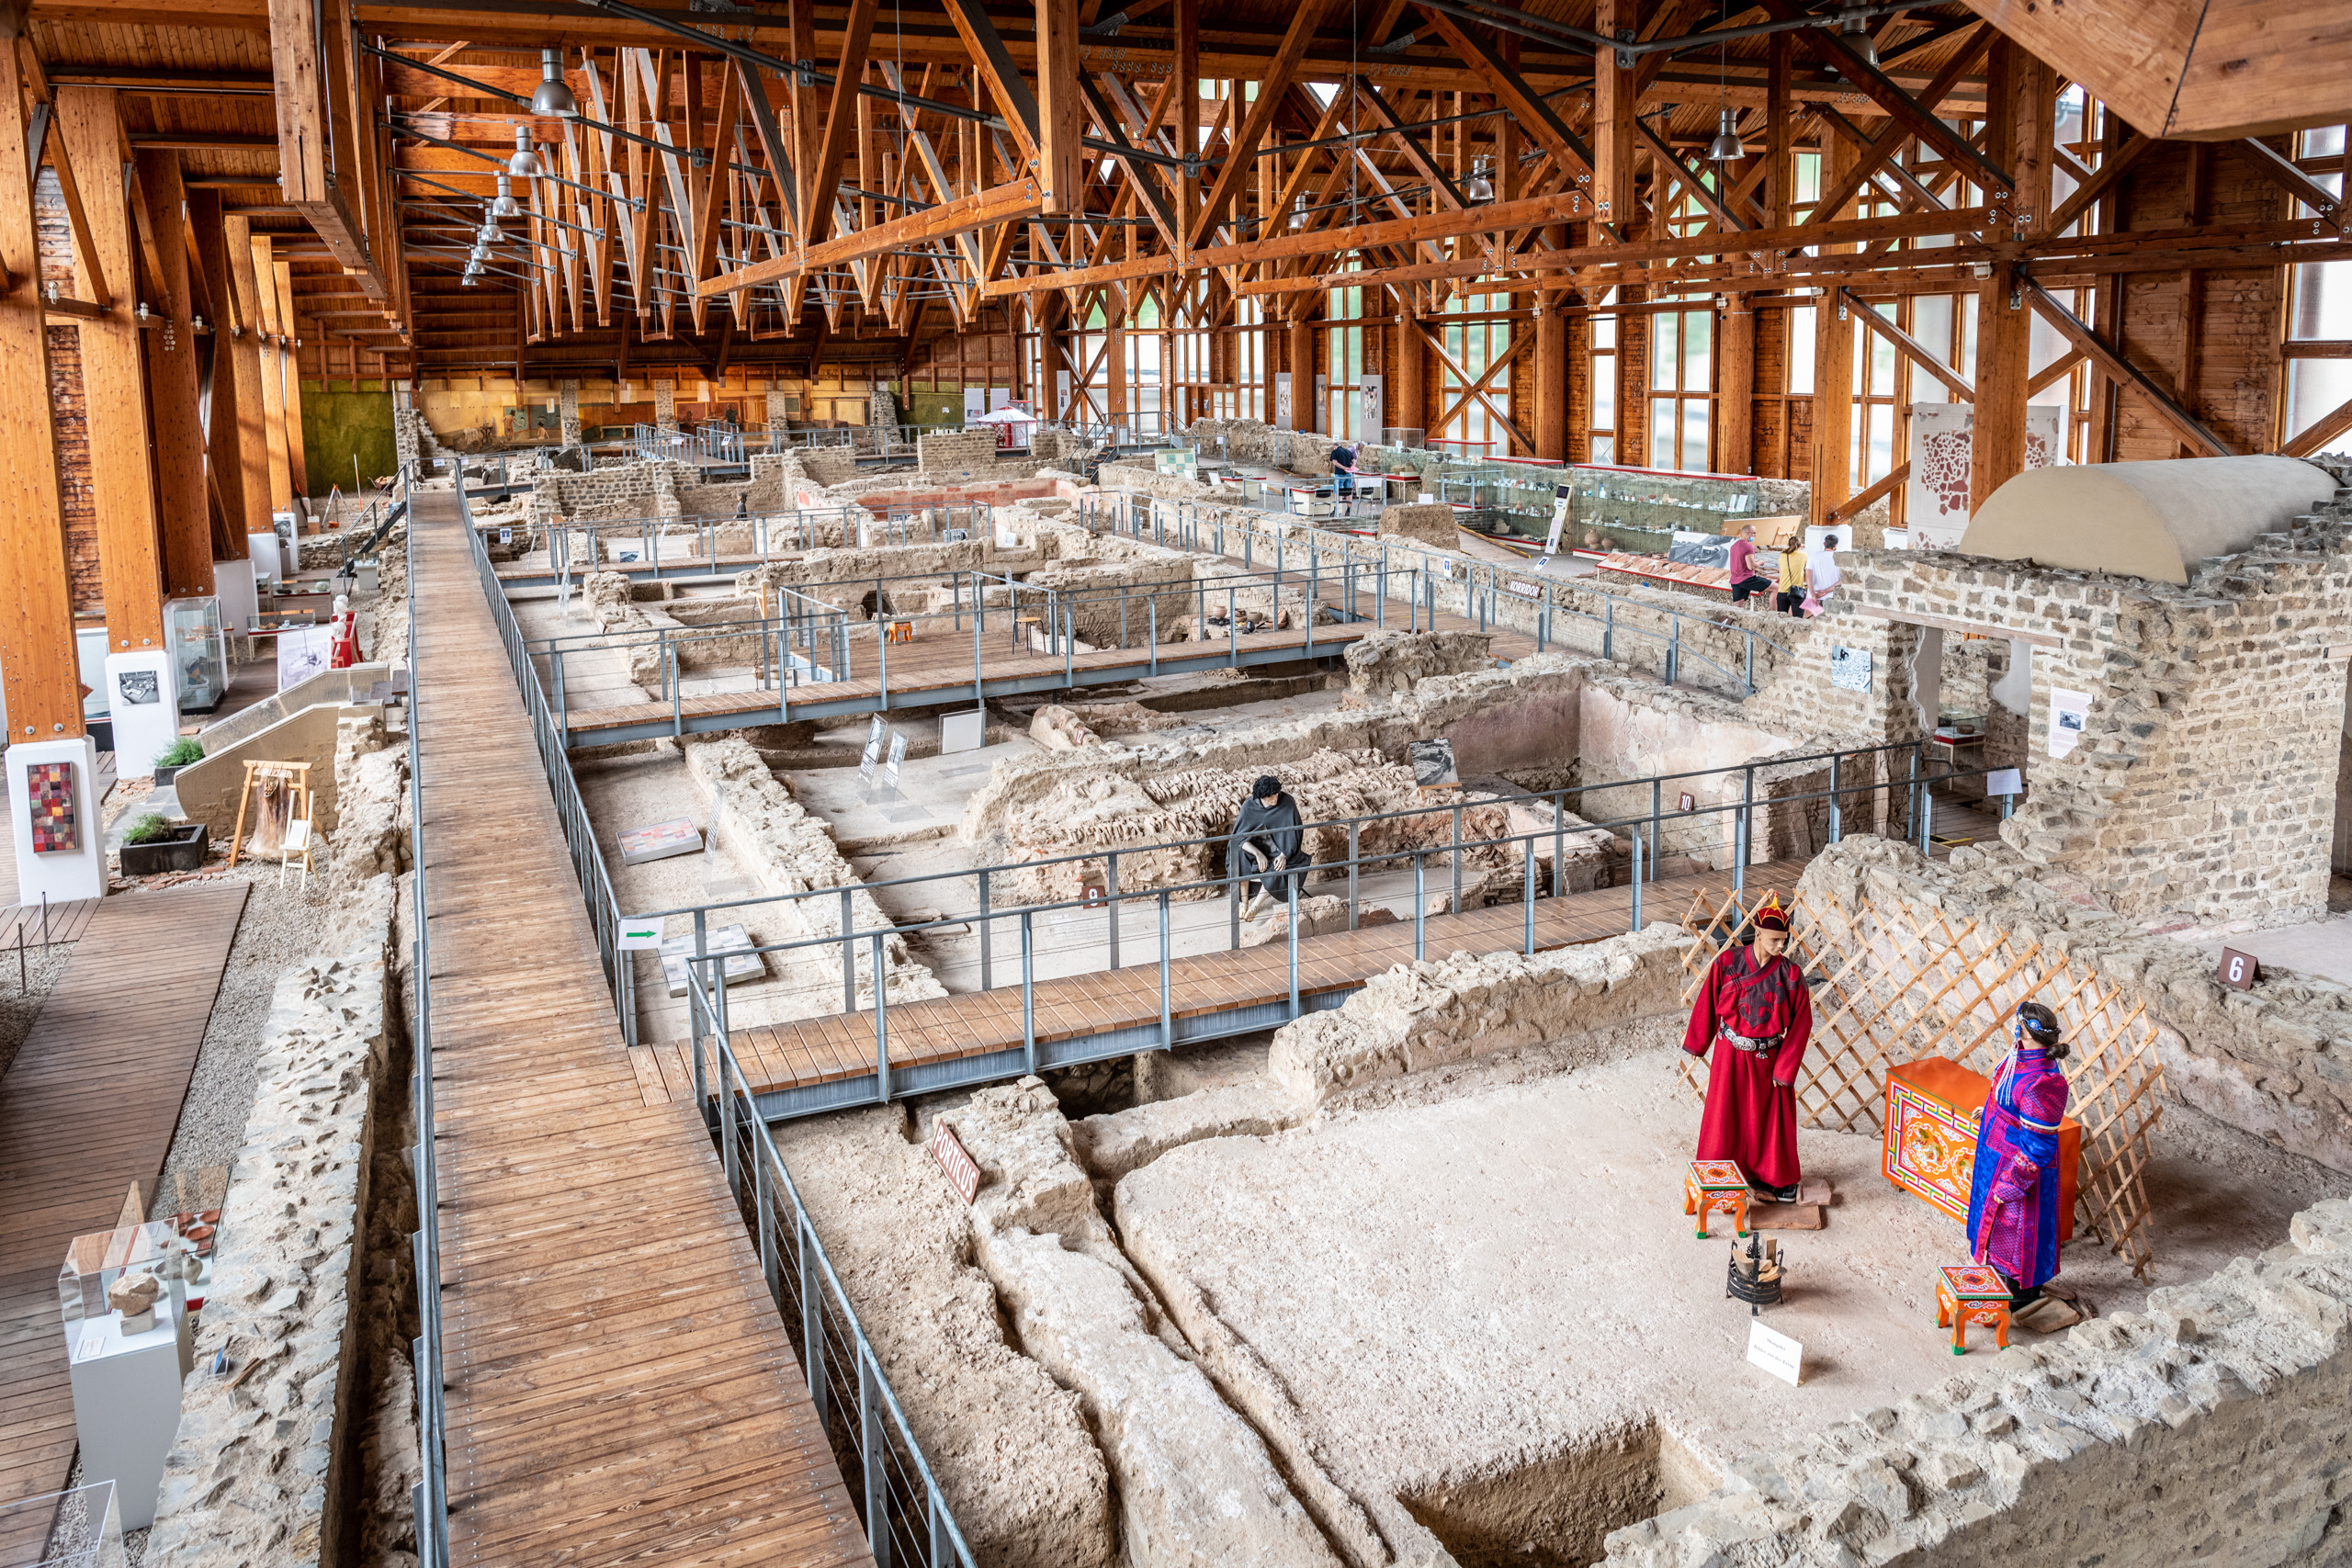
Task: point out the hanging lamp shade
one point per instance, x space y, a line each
1726 147
488 233
505 205
552 97
1480 187
525 164
1854 28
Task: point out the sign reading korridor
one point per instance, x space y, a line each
1850 668
962 1174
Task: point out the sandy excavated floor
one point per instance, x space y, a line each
1455 1292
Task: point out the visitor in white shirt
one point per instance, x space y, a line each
1821 573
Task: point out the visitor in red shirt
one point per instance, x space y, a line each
1744 578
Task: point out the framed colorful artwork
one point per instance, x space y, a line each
56 817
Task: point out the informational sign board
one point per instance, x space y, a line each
642 936
1560 502
1433 763
1371 402
2004 781
897 764
1850 668
871 757
1525 589
2069 712
962 1174
1775 1352
965 731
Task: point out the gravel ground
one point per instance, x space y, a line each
20 1002
280 927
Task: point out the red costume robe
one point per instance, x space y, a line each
1751 1115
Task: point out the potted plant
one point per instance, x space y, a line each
179 754
154 845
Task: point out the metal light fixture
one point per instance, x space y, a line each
525 164
488 233
1725 148
1480 187
506 206
1854 28
552 97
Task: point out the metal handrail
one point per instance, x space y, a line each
876 1399
802 528
1485 587
429 1496
905 1513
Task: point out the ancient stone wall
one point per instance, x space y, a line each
1438 1013
1392 661
956 451
665 406
2202 784
2209 1427
791 850
266 1451
2275 1060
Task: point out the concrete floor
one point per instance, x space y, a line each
2323 949
1503 1285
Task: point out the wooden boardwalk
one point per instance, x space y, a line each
88 1107
810 1052
621 1388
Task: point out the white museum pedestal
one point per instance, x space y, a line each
143 700
65 875
126 1403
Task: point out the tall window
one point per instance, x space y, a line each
1094 376
2319 311
1602 434
1249 394
1142 346
1682 386
1343 364
1473 423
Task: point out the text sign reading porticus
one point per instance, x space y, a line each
962 1174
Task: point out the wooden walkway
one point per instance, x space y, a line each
810 1052
88 1107
619 1386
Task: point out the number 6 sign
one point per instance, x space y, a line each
2239 970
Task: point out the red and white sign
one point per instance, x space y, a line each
948 1150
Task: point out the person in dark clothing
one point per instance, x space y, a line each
1344 470
1268 838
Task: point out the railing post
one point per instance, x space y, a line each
881 1025
1420 907
812 1318
1744 835
849 955
1658 788
1354 830
693 1023
1527 894
1638 882
764 1191
1028 995
986 924
1453 854
726 1091
1291 880
1111 907
869 1447
1835 822
1166 1019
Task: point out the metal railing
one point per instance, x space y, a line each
1730 826
1486 592
430 1494
810 640
906 1516
666 547
896 1486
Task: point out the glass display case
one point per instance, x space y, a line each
192 631
125 1290
82 1529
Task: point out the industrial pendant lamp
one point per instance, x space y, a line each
506 206
1725 148
488 235
1480 187
525 164
552 97
1854 28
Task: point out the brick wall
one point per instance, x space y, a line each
956 451
2203 785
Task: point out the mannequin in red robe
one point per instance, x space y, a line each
1754 1012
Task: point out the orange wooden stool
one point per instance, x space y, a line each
1715 1184
1971 1292
899 631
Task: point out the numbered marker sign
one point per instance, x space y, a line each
2239 970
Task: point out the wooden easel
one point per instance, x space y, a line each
297 805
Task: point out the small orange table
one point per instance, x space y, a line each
1971 1292
1930 1145
1715 1184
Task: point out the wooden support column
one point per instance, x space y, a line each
1061 109
1833 366
1551 380
173 388
239 443
248 265
1114 356
2018 90
289 355
114 389
1412 363
37 652
1735 386
1613 139
1302 374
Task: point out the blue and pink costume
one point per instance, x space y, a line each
2013 1193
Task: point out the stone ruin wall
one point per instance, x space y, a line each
956 451
2203 785
2209 1427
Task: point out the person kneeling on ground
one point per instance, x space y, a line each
1267 837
